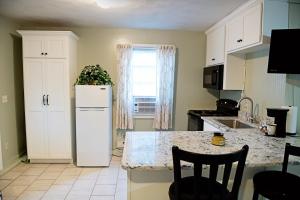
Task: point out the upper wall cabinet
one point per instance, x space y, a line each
45 47
215 44
249 27
244 30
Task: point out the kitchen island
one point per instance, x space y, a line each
147 157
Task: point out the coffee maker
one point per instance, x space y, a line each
280 120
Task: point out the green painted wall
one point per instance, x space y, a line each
12 126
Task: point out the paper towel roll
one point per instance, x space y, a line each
291 120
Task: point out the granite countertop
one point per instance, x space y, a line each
152 150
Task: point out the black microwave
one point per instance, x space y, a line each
213 77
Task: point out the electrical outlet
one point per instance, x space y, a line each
4 99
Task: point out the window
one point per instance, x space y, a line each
144 80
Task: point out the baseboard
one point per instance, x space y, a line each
59 161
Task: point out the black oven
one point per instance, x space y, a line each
213 77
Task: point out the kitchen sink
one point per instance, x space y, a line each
233 123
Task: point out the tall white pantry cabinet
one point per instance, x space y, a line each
49 68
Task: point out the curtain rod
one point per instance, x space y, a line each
151 45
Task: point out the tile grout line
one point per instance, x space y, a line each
117 182
59 174
51 183
72 183
21 174
95 184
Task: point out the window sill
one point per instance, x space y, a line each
143 116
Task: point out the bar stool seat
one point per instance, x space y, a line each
277 185
187 189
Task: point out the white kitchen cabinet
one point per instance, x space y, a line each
249 27
234 30
209 127
48 91
234 65
244 29
215 46
44 47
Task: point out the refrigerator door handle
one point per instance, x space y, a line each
44 100
47 100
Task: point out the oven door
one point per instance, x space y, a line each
213 77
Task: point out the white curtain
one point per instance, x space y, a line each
165 87
124 96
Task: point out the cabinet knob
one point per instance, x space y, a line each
213 59
239 40
46 53
42 53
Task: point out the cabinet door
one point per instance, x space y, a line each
34 87
215 46
252 25
56 79
34 84
234 33
55 47
59 138
33 47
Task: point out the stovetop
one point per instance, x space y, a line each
204 113
225 107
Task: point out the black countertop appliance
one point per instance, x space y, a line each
280 120
225 107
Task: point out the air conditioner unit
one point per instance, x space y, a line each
144 105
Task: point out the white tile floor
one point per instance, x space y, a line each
64 181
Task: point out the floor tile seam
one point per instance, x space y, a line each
21 192
98 175
71 187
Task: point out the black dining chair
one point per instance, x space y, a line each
278 185
198 187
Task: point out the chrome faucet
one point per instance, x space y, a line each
251 118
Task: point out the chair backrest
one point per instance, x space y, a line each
289 150
213 160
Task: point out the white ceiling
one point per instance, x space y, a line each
149 14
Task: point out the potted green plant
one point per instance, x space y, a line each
94 75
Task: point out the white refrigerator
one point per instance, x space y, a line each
93 125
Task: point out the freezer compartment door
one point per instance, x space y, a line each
93 96
93 136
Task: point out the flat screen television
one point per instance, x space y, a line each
284 55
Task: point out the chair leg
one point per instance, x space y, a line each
255 195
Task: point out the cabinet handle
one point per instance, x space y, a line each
47 100
213 59
239 40
42 53
44 100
